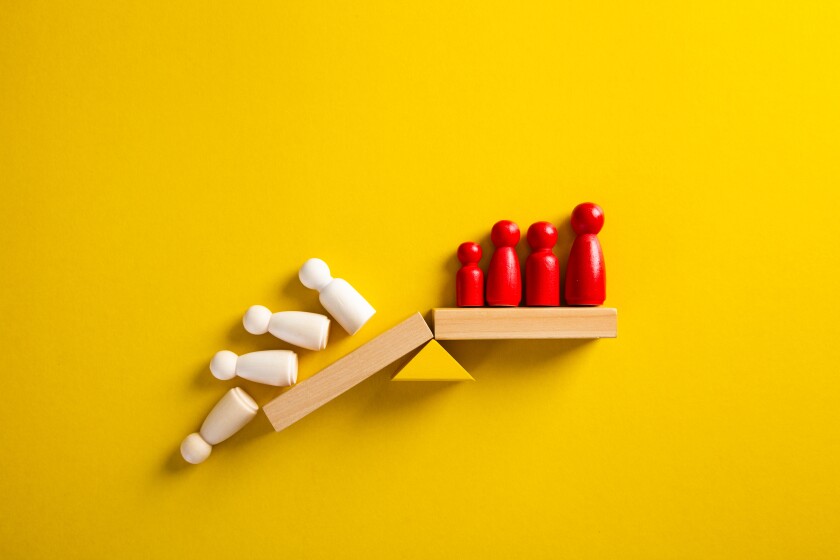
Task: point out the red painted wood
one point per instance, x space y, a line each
504 279
542 268
469 282
585 273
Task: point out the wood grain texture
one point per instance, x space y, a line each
347 372
525 322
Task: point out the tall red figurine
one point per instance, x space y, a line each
504 280
585 275
542 269
469 283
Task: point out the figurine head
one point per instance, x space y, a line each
257 319
587 218
542 235
469 253
505 234
223 365
315 274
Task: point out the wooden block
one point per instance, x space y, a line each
347 372
432 363
473 323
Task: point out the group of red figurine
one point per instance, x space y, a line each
585 275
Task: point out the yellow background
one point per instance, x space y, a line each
164 165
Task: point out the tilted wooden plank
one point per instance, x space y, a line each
347 372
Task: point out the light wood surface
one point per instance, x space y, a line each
472 323
347 372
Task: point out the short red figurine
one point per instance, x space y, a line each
504 280
542 269
585 274
469 283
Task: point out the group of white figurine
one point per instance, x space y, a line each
275 367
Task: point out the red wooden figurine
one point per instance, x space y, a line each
585 274
469 283
504 280
542 269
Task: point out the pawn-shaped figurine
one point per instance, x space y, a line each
230 414
272 367
307 330
345 304
542 269
504 279
585 273
469 283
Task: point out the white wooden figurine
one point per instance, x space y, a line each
272 367
345 304
230 414
307 330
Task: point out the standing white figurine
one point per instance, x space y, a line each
345 304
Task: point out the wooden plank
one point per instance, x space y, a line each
347 372
486 323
